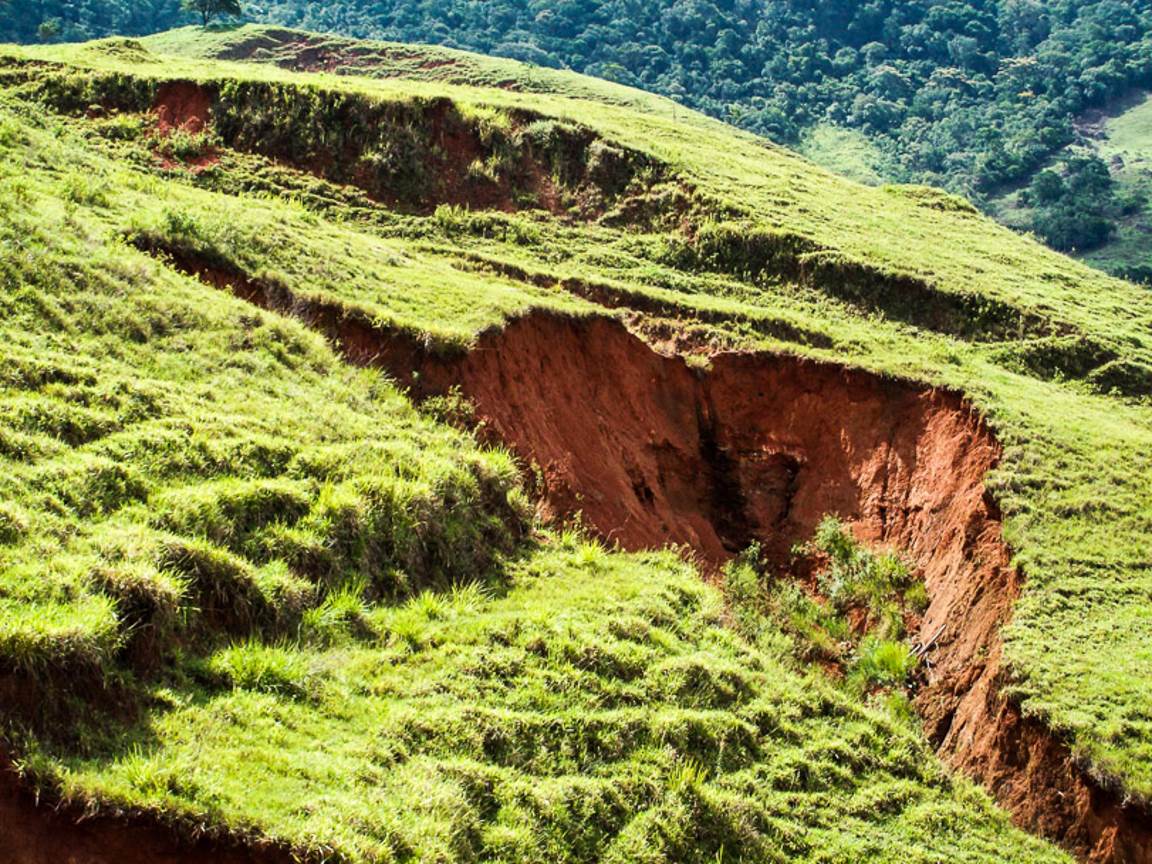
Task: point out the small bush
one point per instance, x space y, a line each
883 663
184 145
855 575
121 127
854 579
252 665
452 408
13 523
741 579
819 631
916 596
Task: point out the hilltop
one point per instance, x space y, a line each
309 377
981 97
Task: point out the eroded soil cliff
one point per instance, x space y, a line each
652 450
760 447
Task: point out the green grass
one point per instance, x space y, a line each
1130 132
892 229
133 405
849 153
288 48
389 280
596 709
853 616
192 480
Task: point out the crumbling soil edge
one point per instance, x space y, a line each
576 395
32 832
418 155
761 446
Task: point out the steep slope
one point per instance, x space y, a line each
1095 209
683 333
223 662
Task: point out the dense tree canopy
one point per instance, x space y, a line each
209 10
76 20
967 94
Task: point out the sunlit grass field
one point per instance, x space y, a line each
324 603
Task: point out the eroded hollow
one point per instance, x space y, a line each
760 447
652 450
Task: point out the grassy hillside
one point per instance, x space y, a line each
1121 137
971 95
305 590
216 492
1104 226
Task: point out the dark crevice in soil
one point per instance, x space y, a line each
760 447
726 505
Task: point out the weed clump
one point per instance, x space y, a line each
185 145
852 615
851 576
255 665
883 663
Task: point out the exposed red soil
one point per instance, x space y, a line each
760 447
187 107
32 833
182 105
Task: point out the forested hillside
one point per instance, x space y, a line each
67 21
971 95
